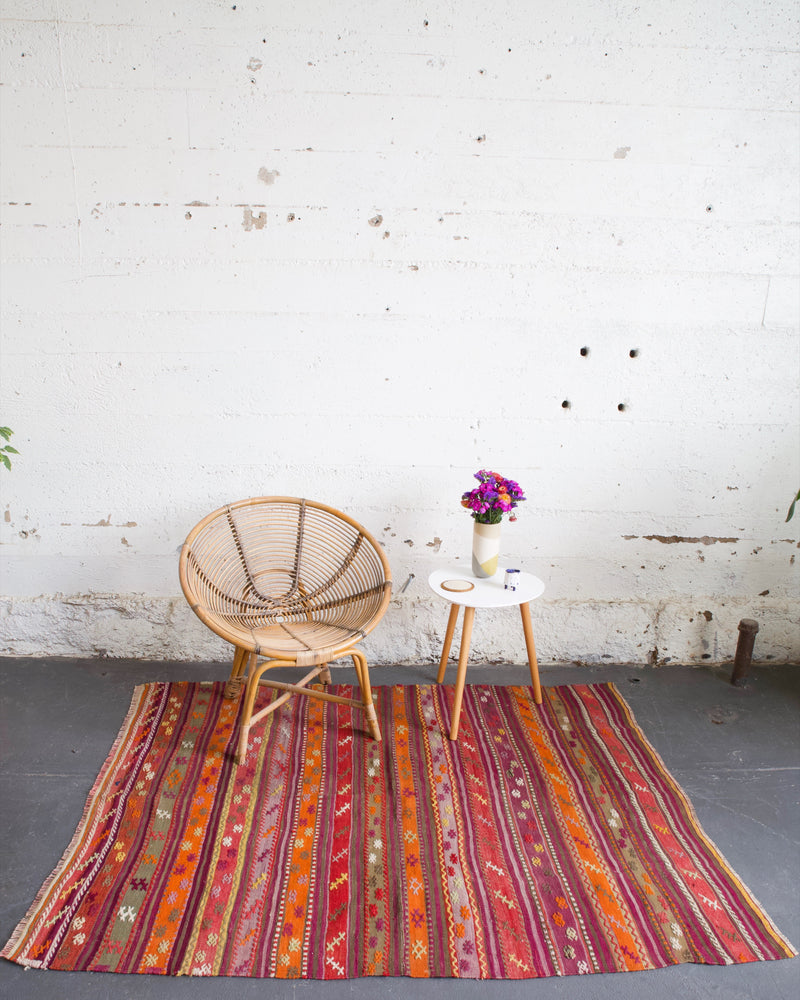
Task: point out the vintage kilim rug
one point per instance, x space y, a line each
547 841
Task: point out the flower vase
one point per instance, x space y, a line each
485 548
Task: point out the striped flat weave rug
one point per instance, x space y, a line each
549 840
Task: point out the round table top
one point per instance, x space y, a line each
487 592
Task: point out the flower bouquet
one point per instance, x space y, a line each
493 497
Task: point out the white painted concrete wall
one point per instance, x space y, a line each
352 251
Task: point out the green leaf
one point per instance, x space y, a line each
6 432
790 515
5 460
11 449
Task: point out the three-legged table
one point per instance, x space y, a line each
485 593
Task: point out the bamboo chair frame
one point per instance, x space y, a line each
289 583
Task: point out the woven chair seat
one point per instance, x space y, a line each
305 642
291 581
310 629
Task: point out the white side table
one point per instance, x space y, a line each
485 593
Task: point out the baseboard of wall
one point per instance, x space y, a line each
135 626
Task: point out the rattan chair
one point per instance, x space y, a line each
289 583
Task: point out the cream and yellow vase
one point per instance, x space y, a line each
485 548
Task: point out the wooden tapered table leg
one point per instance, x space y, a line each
527 628
463 657
448 641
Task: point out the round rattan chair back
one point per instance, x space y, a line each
288 582
285 577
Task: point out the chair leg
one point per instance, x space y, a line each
360 663
244 735
247 707
359 671
254 677
236 681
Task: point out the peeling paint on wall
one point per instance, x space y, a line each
250 221
678 539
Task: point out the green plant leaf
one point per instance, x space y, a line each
11 449
5 460
6 432
790 515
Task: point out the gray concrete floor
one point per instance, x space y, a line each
735 751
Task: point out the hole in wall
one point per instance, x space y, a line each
584 352
566 404
633 352
622 407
